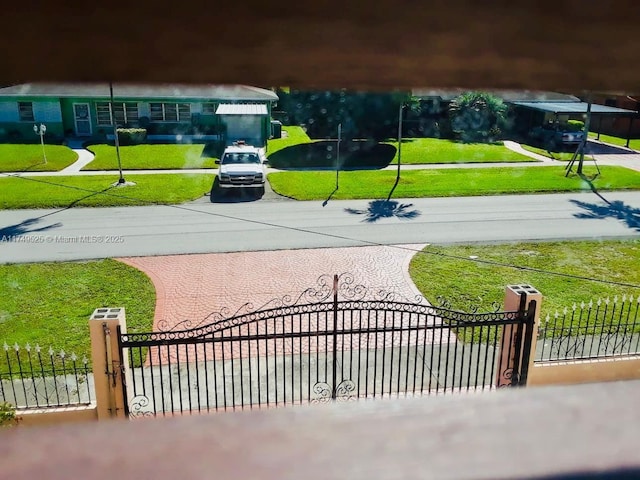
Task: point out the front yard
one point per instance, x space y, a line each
448 182
633 144
457 274
97 190
29 158
153 157
435 150
49 304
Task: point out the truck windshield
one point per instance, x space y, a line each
240 158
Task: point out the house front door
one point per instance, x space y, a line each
82 119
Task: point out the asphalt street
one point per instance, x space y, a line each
204 227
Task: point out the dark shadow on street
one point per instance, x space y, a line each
234 195
379 209
595 148
25 227
617 209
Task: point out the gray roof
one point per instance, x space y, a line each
448 94
241 109
574 108
140 91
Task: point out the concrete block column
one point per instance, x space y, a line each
108 366
509 343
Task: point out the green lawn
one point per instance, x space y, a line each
634 143
21 158
447 182
294 136
151 157
435 150
52 192
49 304
450 273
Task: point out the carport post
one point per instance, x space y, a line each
629 131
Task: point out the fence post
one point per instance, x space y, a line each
108 366
512 357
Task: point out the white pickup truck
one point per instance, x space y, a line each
242 166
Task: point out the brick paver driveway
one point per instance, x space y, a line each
191 287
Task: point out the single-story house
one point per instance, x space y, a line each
531 108
167 111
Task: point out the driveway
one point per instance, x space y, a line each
192 287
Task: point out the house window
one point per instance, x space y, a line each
25 111
170 112
124 113
209 108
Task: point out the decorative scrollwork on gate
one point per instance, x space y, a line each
139 407
345 391
322 392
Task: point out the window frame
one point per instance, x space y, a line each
174 107
128 118
21 118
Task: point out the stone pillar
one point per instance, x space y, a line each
108 366
509 345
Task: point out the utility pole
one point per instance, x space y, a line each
338 154
121 180
580 151
399 150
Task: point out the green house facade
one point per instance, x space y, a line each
168 112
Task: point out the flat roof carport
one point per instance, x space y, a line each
574 108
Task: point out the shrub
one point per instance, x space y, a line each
7 414
575 125
131 136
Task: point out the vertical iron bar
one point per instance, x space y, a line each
441 328
375 356
20 372
366 361
399 355
359 349
241 368
284 363
197 379
384 350
446 362
33 380
214 343
160 367
602 322
224 369
249 364
42 374
170 375
258 362
299 355
55 377
496 330
275 357
335 334
473 331
206 373
415 358
233 370
486 355
424 349
455 354
179 369
13 387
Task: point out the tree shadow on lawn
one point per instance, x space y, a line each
354 155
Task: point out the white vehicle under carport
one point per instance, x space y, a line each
242 166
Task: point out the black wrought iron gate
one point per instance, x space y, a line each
320 348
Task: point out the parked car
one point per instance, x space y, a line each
556 136
242 166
